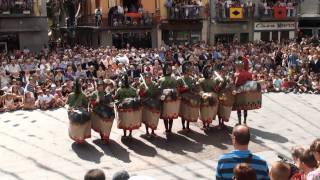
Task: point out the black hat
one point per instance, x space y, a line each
165 68
206 70
125 80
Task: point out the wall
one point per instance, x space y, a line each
33 40
230 28
33 31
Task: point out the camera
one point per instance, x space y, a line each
293 168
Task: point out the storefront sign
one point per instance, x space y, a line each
265 26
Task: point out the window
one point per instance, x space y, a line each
265 36
284 35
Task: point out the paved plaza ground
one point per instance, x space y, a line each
35 145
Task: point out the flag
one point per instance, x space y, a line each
280 12
236 13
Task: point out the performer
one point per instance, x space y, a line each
227 92
170 100
190 103
209 98
102 114
79 116
149 93
248 95
129 112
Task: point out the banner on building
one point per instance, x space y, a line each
236 13
280 12
267 26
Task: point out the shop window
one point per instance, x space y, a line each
307 32
244 37
137 40
224 38
275 36
181 37
11 41
265 36
284 35
3 47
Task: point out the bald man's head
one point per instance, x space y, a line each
279 171
241 135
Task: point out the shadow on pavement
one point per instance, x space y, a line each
114 149
267 135
212 137
87 152
139 147
119 152
176 143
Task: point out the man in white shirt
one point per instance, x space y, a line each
49 99
4 79
41 102
13 68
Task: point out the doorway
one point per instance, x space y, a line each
224 38
134 39
11 40
132 5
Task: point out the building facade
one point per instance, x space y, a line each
252 21
139 23
117 23
183 21
23 24
309 19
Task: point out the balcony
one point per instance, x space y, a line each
234 13
277 13
186 12
126 21
16 8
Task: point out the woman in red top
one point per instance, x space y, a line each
241 77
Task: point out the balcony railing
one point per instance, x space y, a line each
277 12
129 20
234 13
16 7
186 12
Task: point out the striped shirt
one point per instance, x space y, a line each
228 161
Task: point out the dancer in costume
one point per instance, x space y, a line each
79 116
128 105
227 92
102 114
209 98
190 103
248 95
150 97
170 99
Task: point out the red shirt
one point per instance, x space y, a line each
246 64
243 77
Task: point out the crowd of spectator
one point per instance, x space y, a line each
184 9
266 7
223 8
131 14
43 80
241 164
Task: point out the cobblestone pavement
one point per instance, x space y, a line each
35 145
